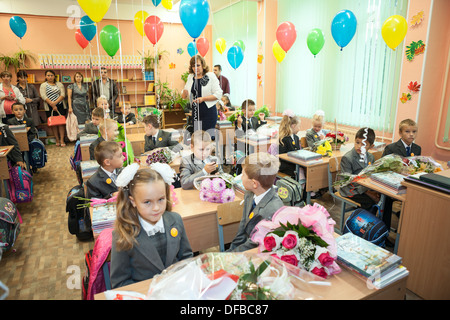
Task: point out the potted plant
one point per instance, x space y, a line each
150 60
23 56
17 60
178 101
10 61
185 76
165 94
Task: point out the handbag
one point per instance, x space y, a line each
56 120
72 127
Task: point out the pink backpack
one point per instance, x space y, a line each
20 185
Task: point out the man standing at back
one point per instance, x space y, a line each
224 84
106 87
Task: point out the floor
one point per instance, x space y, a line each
48 262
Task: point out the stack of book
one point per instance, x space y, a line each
18 128
103 217
257 137
88 168
391 181
274 118
305 156
88 139
368 261
379 146
149 100
431 180
224 124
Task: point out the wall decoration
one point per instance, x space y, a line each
414 87
260 82
172 65
260 58
417 19
405 97
414 49
180 51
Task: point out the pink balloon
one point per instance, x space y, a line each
202 46
286 35
153 28
82 41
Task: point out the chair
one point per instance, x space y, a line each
228 214
303 142
334 166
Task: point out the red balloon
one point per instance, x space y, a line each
82 41
153 28
202 46
286 35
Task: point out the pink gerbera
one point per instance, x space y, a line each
206 185
227 195
218 185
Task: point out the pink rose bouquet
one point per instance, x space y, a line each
302 237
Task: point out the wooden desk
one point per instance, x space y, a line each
175 164
4 172
22 140
85 156
135 128
255 146
424 241
137 141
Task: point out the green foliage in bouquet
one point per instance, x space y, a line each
264 109
302 232
248 286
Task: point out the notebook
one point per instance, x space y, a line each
436 179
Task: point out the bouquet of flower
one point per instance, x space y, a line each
337 138
162 155
216 190
302 237
323 147
418 164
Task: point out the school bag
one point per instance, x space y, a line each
10 221
366 225
20 185
75 159
37 154
97 275
290 192
78 221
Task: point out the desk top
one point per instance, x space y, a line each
4 150
367 182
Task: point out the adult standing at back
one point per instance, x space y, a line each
31 95
106 87
224 83
204 91
77 97
9 94
53 94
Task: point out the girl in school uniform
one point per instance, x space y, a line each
316 133
148 237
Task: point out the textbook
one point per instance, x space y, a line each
390 180
88 168
103 217
365 258
225 124
305 156
18 128
86 140
256 137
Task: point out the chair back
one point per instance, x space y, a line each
377 155
230 212
303 142
334 166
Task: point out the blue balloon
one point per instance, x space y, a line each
88 28
343 28
156 2
194 15
192 49
18 26
235 56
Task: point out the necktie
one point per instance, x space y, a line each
154 140
20 121
114 177
408 151
253 206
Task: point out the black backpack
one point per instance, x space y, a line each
79 221
9 224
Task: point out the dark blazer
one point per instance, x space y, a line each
265 209
98 186
113 94
288 144
143 262
130 117
31 134
7 139
92 147
190 168
253 123
89 128
399 149
163 139
350 164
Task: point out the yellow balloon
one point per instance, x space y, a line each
278 52
139 20
221 45
95 9
394 31
167 4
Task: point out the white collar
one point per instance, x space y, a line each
151 229
404 144
156 134
109 173
260 197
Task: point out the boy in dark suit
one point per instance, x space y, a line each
93 127
126 116
7 139
242 124
261 200
157 138
405 146
109 131
102 184
20 118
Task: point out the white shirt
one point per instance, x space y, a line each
260 197
151 229
110 174
405 145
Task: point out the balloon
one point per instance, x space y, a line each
315 41
18 26
167 4
82 41
221 45
203 46
343 28
394 31
278 52
156 2
286 35
154 29
139 20
95 9
240 44
235 56
194 15
110 39
88 28
192 49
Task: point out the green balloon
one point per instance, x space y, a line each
315 41
110 39
240 44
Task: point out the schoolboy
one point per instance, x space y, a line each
102 184
126 116
7 139
353 162
242 124
20 118
261 200
405 146
93 126
199 163
157 138
109 131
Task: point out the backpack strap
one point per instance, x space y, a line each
106 275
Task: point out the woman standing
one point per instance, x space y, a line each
53 94
9 94
31 96
204 91
77 94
